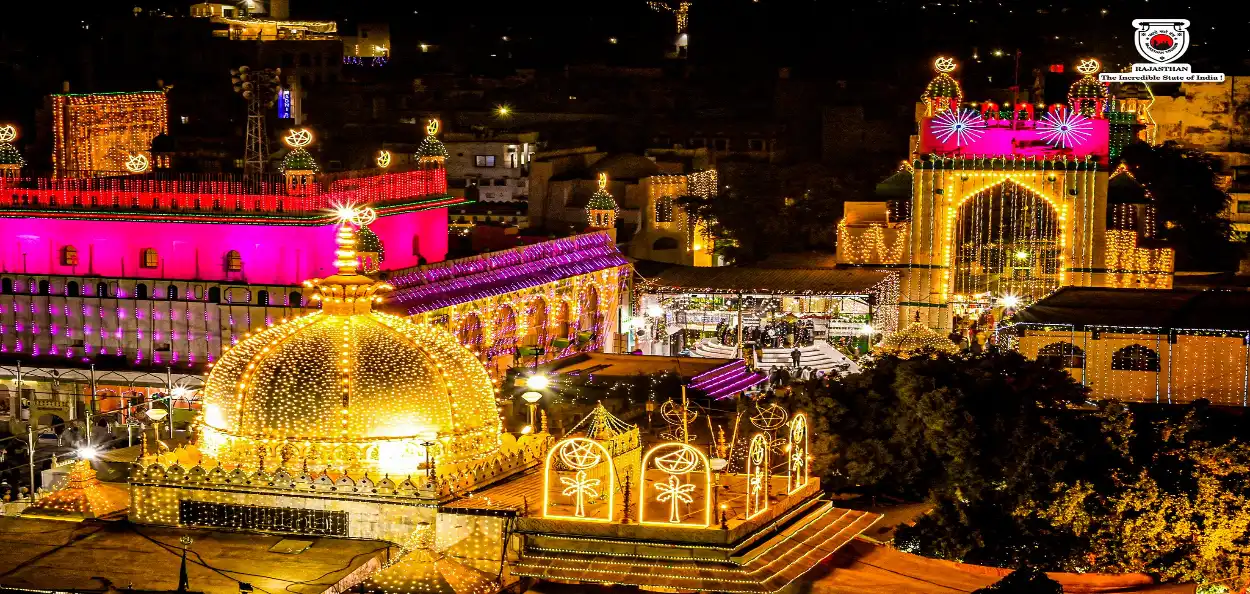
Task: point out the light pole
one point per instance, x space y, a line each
532 398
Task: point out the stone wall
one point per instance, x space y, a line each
1213 117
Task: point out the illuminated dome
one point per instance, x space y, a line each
347 387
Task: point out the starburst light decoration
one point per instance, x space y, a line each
8 133
964 125
1064 129
1089 66
674 463
584 460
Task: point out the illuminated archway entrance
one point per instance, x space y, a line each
1007 240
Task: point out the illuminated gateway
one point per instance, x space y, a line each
346 422
1003 204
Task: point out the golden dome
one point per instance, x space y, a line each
349 387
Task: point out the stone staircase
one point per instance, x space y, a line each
820 356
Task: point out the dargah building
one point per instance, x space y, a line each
367 453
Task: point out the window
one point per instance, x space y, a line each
295 299
6 286
484 160
1135 357
416 245
755 144
101 289
148 258
263 296
698 142
1243 207
1063 355
185 119
721 144
71 288
45 287
214 294
234 261
141 291
69 256
171 292
664 209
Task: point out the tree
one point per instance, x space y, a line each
762 210
1024 581
1190 205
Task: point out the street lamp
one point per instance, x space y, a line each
718 464
537 381
531 398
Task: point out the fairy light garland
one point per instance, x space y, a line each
97 133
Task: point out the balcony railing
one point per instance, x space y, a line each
218 193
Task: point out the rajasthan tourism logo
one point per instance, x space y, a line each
1161 42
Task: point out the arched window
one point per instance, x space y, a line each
416 245
141 291
214 294
1063 355
69 256
6 286
234 261
1135 357
295 299
664 243
71 288
148 258
45 287
101 290
171 292
263 297
664 209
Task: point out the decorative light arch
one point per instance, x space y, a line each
997 179
757 475
579 455
676 461
797 464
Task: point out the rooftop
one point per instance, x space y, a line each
63 556
609 365
774 281
1160 309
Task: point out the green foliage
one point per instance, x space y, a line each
1018 477
1190 204
1024 581
765 210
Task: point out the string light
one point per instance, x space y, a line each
98 133
943 92
675 460
601 209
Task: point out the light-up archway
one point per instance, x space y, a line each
1005 239
578 479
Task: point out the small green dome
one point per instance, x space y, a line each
431 148
299 160
9 155
602 200
368 241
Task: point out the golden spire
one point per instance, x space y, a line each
348 292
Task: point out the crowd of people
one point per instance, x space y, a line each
774 334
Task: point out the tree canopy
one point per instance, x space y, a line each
1020 477
1190 205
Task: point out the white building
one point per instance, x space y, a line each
490 167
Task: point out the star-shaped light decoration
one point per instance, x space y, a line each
8 133
384 158
137 163
1089 66
944 64
298 138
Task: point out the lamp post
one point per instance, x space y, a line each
718 466
531 399
155 415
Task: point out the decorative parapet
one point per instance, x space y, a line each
166 470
